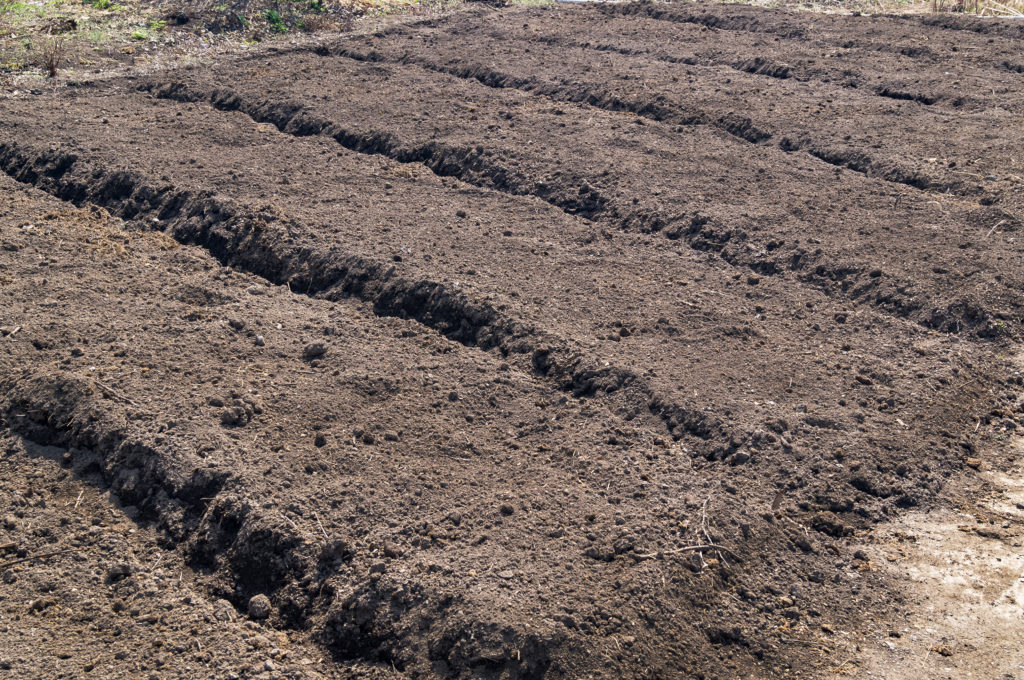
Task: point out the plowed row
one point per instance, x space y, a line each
533 342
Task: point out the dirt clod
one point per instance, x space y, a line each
259 607
314 351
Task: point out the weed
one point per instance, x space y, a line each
13 10
54 52
273 18
157 25
140 34
13 64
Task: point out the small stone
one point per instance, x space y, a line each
460 213
259 608
215 401
506 574
10 577
974 463
10 522
259 341
506 509
269 665
319 441
453 396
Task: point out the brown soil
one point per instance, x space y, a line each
591 341
114 602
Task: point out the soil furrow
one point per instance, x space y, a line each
252 552
738 125
648 306
594 188
698 50
986 26
915 153
520 343
394 531
249 241
870 33
470 165
467 163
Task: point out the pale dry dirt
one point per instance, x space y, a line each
964 569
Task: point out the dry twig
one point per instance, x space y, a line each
687 548
42 556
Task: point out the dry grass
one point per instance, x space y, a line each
102 235
1010 8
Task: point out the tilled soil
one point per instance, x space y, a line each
108 600
560 342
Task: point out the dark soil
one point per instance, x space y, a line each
526 342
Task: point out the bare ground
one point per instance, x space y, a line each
627 341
